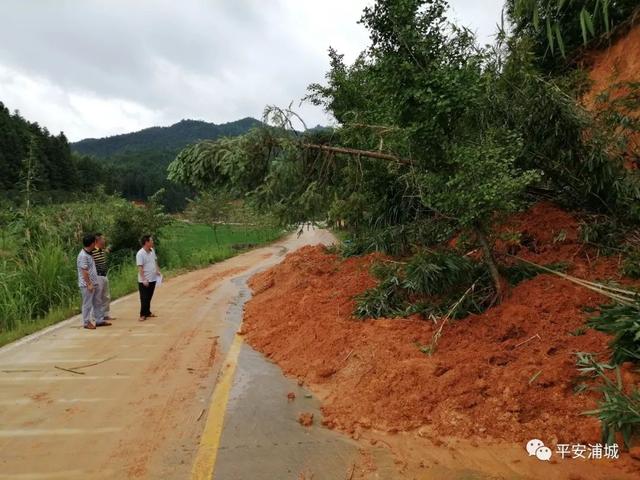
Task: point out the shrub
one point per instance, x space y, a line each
617 411
434 273
385 300
131 222
604 232
631 264
429 284
623 322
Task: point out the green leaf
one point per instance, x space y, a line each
583 26
589 22
560 41
550 38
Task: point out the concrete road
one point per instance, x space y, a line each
179 396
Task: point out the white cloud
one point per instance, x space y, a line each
481 17
94 68
40 100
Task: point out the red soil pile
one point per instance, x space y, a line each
305 419
507 374
546 235
618 64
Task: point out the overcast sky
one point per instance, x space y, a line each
94 68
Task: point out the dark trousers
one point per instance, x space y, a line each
146 294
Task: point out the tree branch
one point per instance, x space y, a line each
363 153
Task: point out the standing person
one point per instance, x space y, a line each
89 285
99 254
148 271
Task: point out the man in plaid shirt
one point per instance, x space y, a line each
89 285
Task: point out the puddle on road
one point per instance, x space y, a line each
262 438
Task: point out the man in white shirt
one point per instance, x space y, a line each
148 272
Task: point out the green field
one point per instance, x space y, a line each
188 245
38 286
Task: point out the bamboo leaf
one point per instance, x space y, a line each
550 38
583 26
560 40
589 22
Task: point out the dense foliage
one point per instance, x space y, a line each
137 176
623 322
30 152
560 28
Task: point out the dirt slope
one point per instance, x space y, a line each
618 64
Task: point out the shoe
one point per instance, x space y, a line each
142 319
90 326
109 317
152 315
103 324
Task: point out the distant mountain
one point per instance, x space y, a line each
168 139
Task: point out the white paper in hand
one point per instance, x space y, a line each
158 280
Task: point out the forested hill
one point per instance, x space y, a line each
171 138
29 151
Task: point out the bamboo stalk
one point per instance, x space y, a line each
611 292
355 151
436 336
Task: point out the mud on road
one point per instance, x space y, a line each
128 401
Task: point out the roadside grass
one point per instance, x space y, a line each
38 288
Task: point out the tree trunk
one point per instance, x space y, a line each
491 263
357 152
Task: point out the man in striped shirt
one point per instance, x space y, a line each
99 254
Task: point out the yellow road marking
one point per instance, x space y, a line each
209 442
